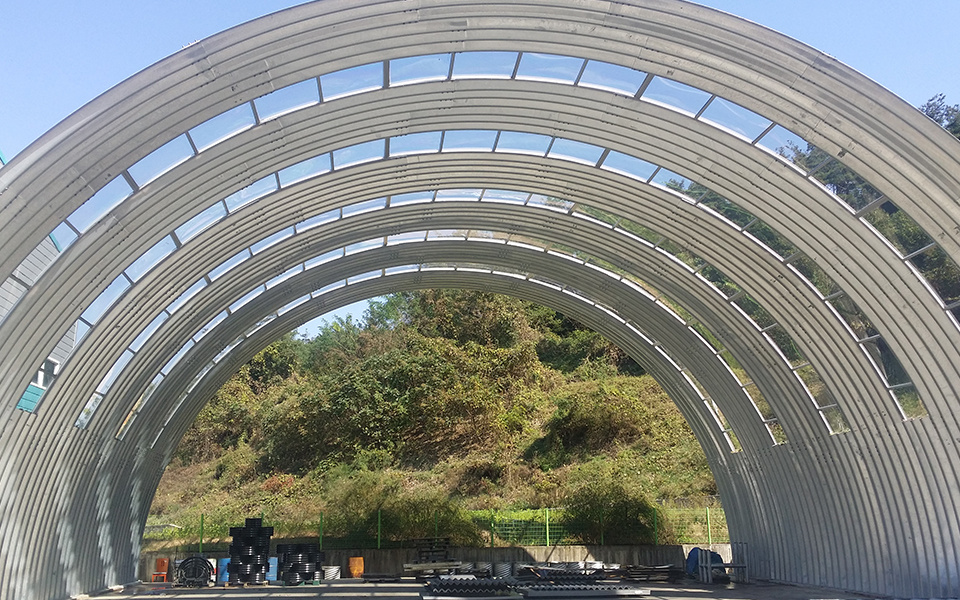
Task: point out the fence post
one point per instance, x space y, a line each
709 529
201 534
492 515
601 529
321 530
379 524
547 510
656 532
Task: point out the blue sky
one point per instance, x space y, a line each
56 55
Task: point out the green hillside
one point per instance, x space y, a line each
440 402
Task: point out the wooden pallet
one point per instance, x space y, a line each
432 549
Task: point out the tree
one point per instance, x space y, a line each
335 346
943 114
391 311
467 316
273 364
228 419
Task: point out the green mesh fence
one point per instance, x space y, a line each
542 527
694 526
683 523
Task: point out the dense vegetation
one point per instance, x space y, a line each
439 401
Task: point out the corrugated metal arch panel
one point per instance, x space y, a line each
903 268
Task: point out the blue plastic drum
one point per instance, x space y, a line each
222 569
272 571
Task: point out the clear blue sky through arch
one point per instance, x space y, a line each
57 55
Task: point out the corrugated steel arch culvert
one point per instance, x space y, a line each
873 509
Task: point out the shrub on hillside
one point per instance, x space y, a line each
294 436
596 416
368 501
224 422
602 507
467 316
273 364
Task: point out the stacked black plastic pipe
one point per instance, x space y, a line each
249 553
298 562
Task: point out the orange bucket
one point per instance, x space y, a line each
356 567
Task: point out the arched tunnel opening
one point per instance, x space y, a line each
438 412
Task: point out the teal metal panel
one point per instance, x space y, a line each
30 398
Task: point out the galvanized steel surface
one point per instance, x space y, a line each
874 509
